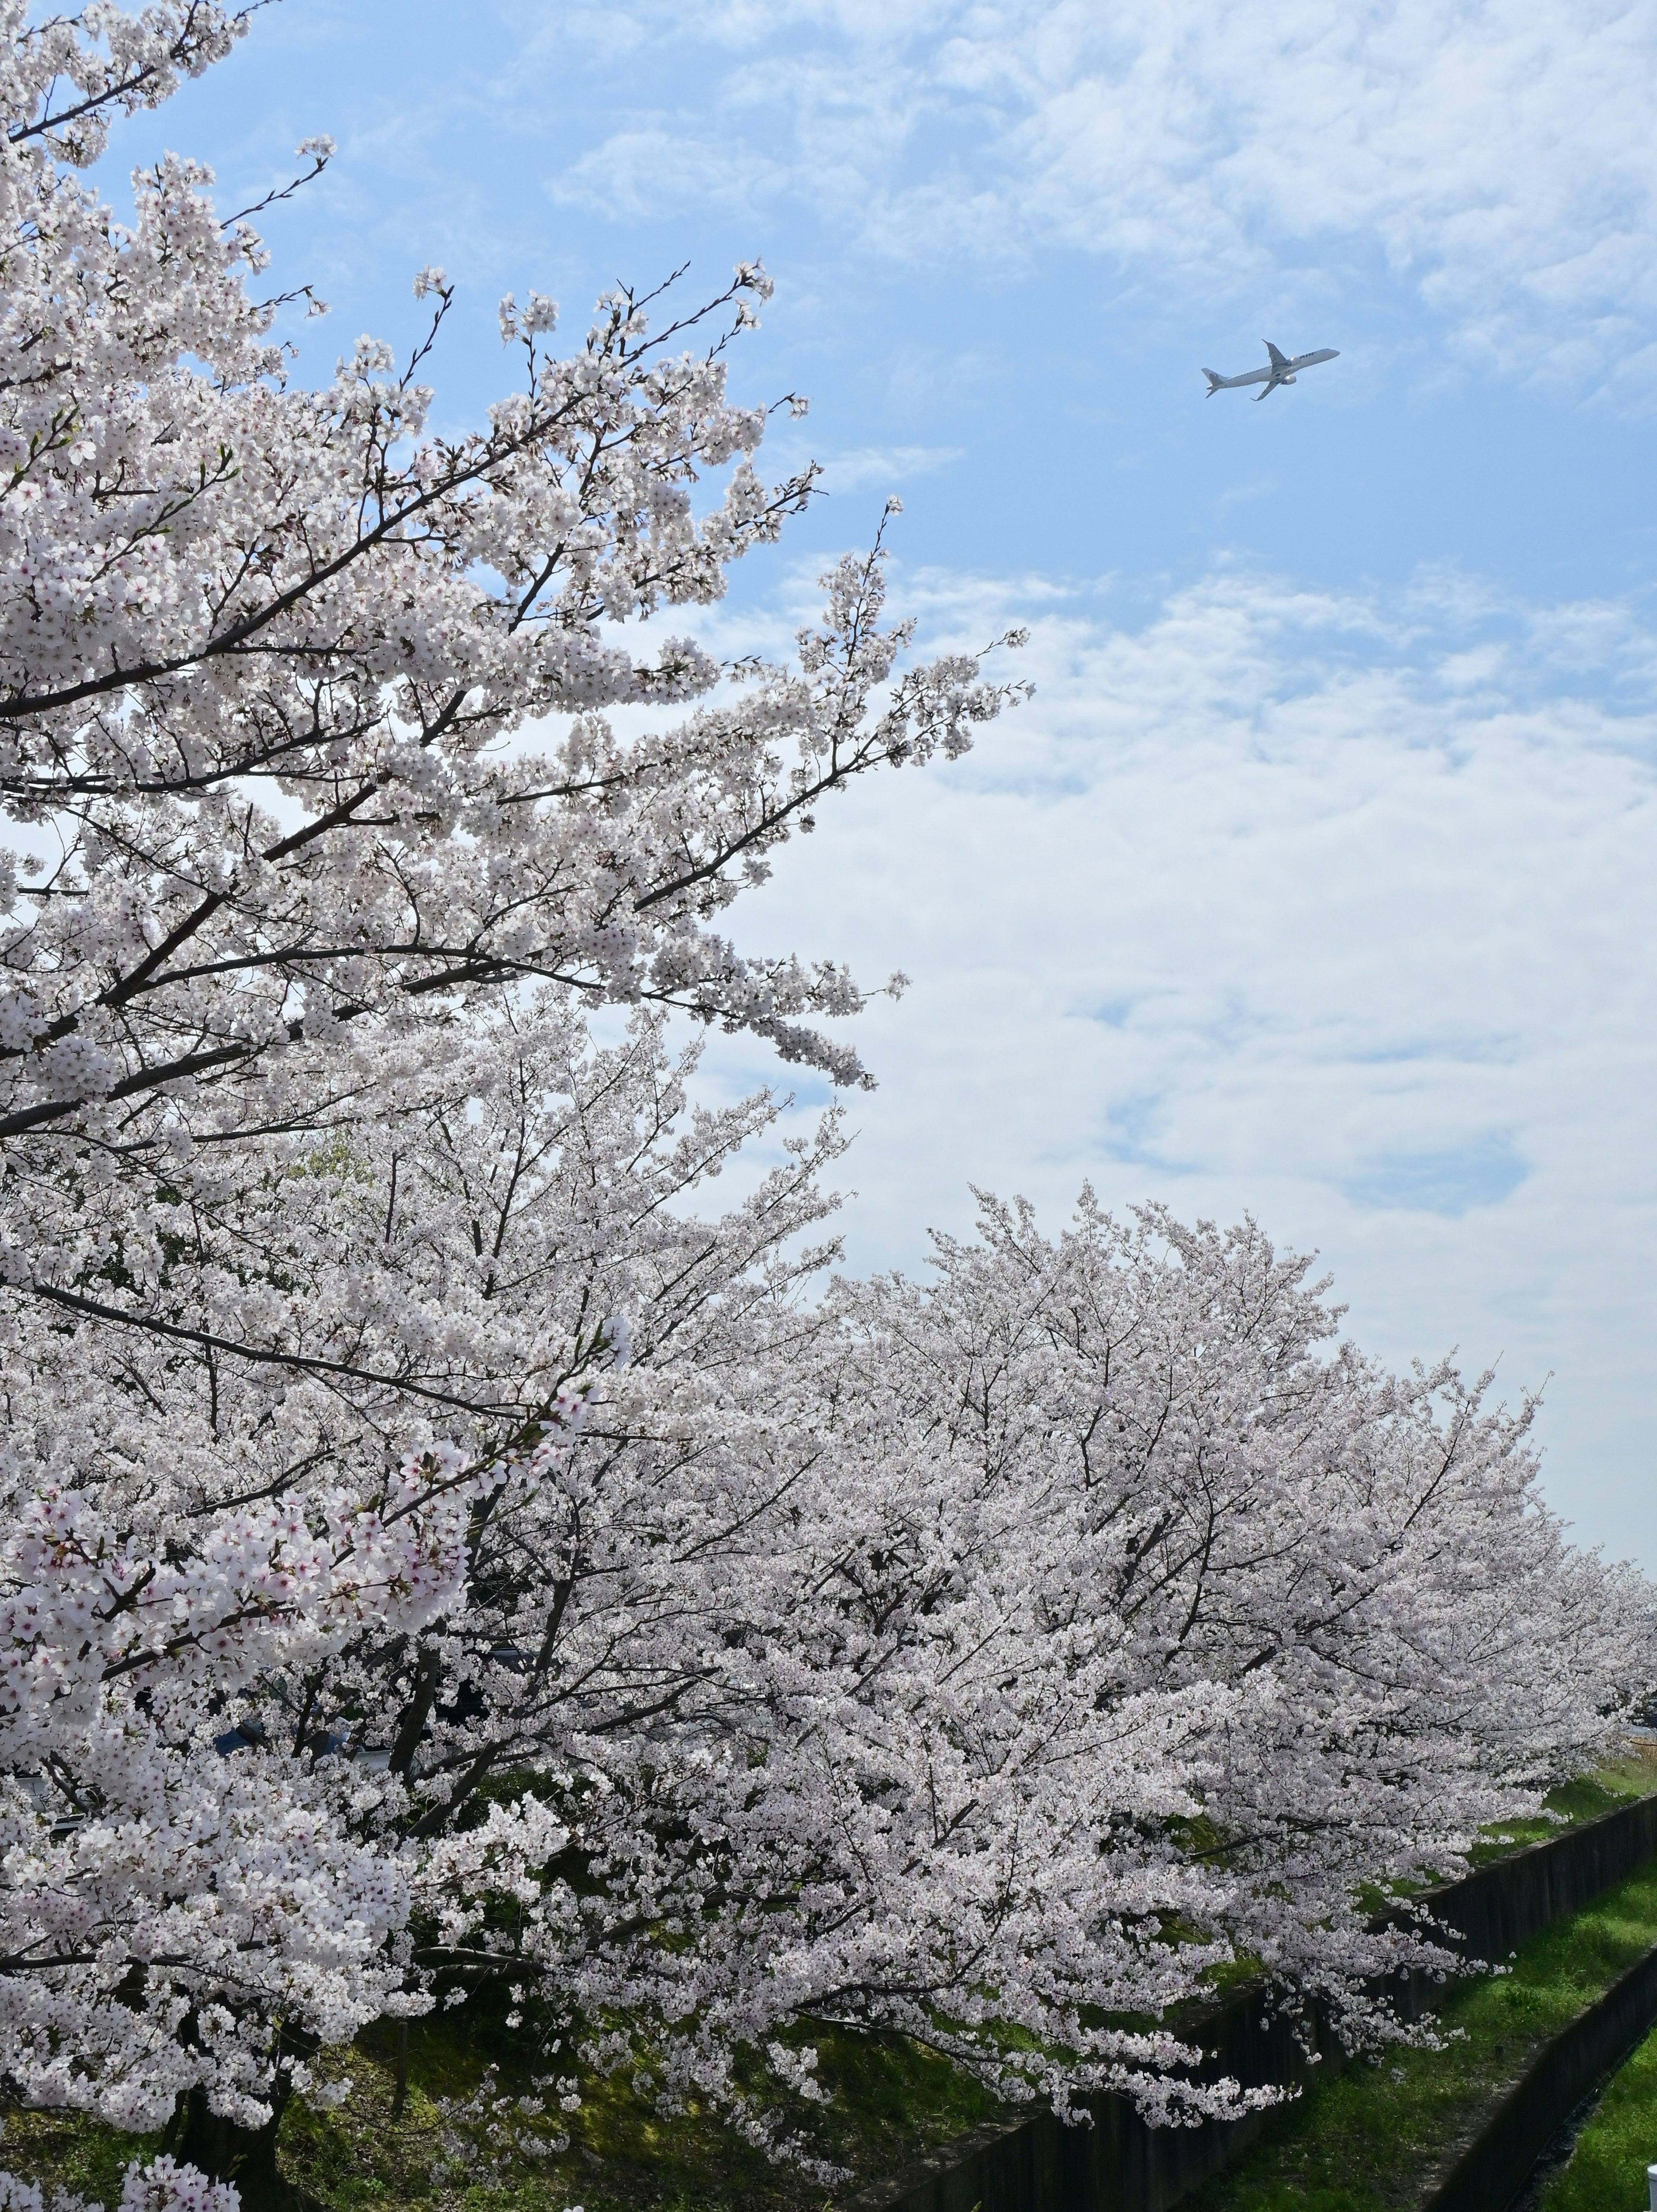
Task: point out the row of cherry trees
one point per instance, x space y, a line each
439 1549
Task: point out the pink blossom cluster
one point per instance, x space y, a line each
163 2185
438 1546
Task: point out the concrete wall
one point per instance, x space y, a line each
1496 2165
1121 2165
1502 1906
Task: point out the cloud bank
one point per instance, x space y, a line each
1499 159
1336 907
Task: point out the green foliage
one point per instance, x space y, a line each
890 2100
70 2152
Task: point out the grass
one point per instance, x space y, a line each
1373 2139
464 2143
890 2100
60 2150
1617 1783
1606 2170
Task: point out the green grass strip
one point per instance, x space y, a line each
1606 2171
1375 2138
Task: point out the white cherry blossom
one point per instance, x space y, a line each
437 1545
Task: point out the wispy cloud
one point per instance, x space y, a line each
1499 160
634 171
1335 906
1479 1174
876 468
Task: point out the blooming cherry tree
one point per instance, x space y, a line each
1178 1472
272 661
438 1546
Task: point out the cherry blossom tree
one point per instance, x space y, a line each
622 1600
272 665
437 1548
162 2185
1206 1493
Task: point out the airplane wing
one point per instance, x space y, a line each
1278 360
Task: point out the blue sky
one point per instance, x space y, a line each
1318 879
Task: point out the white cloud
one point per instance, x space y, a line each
876 468
1504 154
1500 157
1336 908
632 172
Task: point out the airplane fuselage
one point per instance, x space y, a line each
1280 368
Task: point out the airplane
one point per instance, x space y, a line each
1282 371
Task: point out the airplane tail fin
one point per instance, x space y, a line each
1214 383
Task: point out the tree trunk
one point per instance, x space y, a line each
227 2152
399 2094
